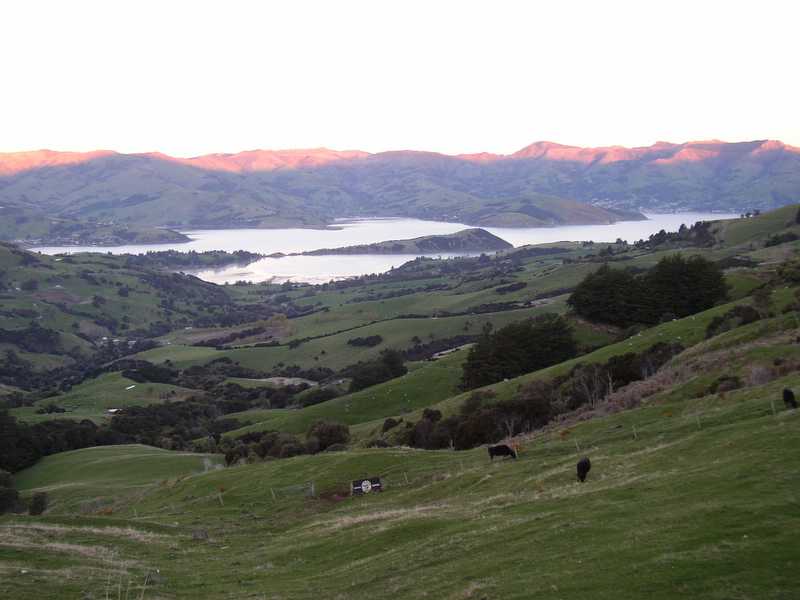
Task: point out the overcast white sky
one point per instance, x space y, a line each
192 77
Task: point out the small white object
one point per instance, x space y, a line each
130 387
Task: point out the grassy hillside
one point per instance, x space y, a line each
423 386
691 497
688 332
692 492
93 398
100 474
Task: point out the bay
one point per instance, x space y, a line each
318 269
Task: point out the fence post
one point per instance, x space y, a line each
635 436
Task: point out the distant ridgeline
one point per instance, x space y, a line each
467 240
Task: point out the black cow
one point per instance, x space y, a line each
584 465
788 398
502 450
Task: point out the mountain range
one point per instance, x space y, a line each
544 184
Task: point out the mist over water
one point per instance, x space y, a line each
319 269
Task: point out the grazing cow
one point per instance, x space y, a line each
788 398
584 465
501 450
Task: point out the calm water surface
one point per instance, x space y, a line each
318 269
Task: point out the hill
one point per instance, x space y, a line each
687 497
544 184
690 494
467 240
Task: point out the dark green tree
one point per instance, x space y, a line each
608 296
518 348
682 287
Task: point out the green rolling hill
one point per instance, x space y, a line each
692 491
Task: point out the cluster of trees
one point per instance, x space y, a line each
420 351
33 339
21 444
676 287
511 287
322 436
518 348
388 365
698 234
174 259
231 337
369 341
484 420
781 238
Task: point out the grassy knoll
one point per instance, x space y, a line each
91 399
687 498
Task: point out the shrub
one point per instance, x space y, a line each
780 238
390 423
318 396
513 287
726 383
9 499
432 415
291 449
369 341
329 433
38 503
736 317
475 401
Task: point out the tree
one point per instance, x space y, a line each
681 286
388 365
518 348
329 433
676 286
607 296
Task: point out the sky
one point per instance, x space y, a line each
195 77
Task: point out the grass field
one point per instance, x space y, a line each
687 498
